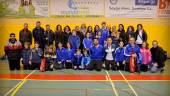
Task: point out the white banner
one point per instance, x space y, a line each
77 7
26 7
131 8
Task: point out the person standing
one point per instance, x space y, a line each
49 36
13 51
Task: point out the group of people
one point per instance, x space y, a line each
85 48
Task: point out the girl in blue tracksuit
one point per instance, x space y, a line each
100 38
85 59
87 42
120 58
77 59
104 30
69 56
60 56
133 50
74 40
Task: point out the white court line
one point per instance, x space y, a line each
112 84
6 94
128 83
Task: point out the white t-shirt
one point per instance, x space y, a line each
109 55
139 38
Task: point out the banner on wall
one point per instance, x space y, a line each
164 8
25 8
131 8
77 7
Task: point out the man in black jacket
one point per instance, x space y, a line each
38 34
49 36
157 56
25 35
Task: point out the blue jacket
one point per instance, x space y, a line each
60 54
129 50
77 59
25 56
74 41
101 41
87 42
113 47
85 61
69 54
119 54
97 53
105 33
36 55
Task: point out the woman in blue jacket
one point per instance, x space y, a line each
87 42
74 40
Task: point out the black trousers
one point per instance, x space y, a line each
110 65
95 64
68 65
121 66
14 64
35 66
27 67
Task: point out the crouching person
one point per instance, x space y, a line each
60 57
50 58
97 56
120 58
110 55
158 57
132 52
12 50
35 57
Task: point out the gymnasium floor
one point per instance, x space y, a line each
83 83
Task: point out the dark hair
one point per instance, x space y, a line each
58 26
155 41
86 51
68 28
131 28
140 25
122 26
147 45
47 25
88 28
103 22
38 22
12 34
95 28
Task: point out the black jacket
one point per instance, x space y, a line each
25 36
144 35
157 54
58 37
49 37
65 38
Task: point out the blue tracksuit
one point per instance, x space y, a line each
129 50
74 41
97 53
69 54
87 42
60 54
85 61
101 41
119 55
77 59
25 55
105 33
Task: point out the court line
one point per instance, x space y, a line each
19 84
112 84
86 80
128 83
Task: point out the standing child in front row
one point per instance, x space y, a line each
60 56
50 59
77 60
35 57
25 54
120 57
85 59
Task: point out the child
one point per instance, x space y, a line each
120 57
60 56
85 59
146 56
77 60
35 57
25 56
50 59
100 38
69 57
87 42
74 40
